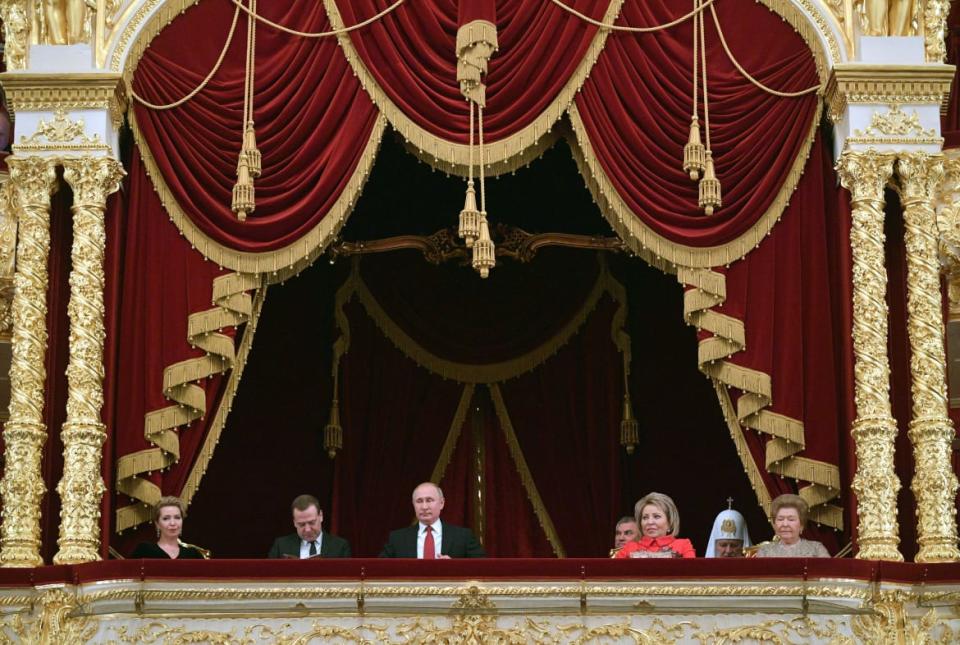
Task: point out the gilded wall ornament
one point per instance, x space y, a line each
22 487
15 15
874 430
60 134
81 487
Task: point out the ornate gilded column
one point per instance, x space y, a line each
865 174
931 432
22 488
83 434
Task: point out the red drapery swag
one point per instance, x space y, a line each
633 111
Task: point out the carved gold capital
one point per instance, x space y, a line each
865 175
33 180
892 84
40 92
81 487
934 485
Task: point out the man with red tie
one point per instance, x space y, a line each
430 538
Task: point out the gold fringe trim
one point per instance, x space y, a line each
520 160
279 264
530 486
226 403
233 306
453 435
478 373
476 31
454 157
787 434
743 450
646 242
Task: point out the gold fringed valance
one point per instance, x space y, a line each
787 434
649 244
281 263
233 306
501 156
485 372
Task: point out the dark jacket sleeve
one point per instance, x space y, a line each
390 549
275 549
341 548
473 547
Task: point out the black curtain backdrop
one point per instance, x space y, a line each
271 449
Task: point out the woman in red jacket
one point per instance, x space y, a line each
659 524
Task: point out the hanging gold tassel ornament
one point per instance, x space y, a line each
484 254
333 433
249 150
693 152
709 187
243 196
469 228
629 427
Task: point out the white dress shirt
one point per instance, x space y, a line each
305 547
437 538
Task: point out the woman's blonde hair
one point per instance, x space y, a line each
665 504
790 501
167 500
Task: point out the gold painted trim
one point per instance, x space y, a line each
645 242
36 92
280 263
233 306
226 402
500 156
529 485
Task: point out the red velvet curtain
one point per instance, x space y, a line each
634 106
411 54
637 103
163 282
311 141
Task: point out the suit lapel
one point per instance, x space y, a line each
411 540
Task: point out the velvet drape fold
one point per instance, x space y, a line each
318 126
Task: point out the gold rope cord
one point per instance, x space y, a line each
453 435
787 434
234 306
481 373
280 263
646 242
520 462
501 156
226 402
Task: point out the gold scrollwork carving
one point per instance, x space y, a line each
778 631
892 84
52 620
931 432
81 91
60 134
81 487
33 180
15 15
875 483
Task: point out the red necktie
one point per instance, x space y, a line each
429 548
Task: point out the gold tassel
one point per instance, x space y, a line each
709 187
629 427
250 151
470 217
333 433
484 257
243 196
693 151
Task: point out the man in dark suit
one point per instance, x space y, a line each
309 541
430 538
